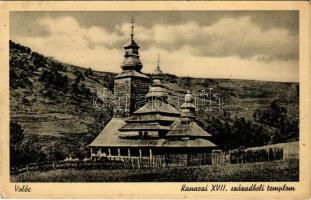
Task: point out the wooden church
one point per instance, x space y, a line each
154 129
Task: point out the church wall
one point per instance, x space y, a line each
140 88
130 95
122 91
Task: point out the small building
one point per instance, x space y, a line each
152 129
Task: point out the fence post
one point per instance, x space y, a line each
109 152
140 158
150 157
138 163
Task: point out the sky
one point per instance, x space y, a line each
256 45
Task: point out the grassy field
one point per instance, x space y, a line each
267 171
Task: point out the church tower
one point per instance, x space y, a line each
131 85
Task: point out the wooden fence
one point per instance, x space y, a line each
258 154
68 165
122 162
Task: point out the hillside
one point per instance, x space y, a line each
53 102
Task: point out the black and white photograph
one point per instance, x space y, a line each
154 96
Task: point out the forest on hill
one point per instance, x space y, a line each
53 115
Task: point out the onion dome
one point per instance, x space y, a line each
188 107
131 63
131 57
157 91
158 74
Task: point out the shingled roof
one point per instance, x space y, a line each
183 128
109 134
109 137
150 117
144 126
158 107
131 73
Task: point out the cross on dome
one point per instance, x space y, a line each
158 74
158 61
132 28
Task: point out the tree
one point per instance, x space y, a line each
22 150
226 114
16 134
79 75
55 153
241 133
38 60
188 82
276 116
53 77
89 72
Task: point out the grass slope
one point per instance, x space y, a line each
268 171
